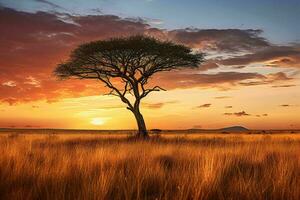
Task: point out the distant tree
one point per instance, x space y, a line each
125 66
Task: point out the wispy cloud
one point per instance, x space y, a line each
53 5
157 105
284 86
9 84
223 97
206 105
286 105
272 56
238 114
229 40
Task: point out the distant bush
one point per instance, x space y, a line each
156 130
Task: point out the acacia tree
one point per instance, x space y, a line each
125 66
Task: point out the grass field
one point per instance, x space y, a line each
172 166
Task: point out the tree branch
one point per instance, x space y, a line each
147 91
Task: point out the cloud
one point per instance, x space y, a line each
273 56
9 84
154 21
238 67
32 81
228 106
208 65
286 105
206 105
238 114
284 86
33 43
220 39
52 5
110 107
268 79
10 100
223 97
157 105
262 115
221 80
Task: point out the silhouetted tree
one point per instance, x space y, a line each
130 62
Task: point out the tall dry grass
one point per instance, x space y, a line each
214 166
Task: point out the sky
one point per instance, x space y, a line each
250 77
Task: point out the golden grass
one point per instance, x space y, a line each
199 166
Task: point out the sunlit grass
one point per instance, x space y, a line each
105 166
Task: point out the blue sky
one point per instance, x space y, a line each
278 19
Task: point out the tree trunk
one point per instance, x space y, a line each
142 131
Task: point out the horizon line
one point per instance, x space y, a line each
189 129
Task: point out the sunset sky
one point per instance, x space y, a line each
251 76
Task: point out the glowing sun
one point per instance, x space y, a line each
97 121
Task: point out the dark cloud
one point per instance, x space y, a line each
283 86
220 40
238 67
222 80
263 115
275 56
268 79
238 114
228 106
206 105
285 105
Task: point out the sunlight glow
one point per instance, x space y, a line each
97 121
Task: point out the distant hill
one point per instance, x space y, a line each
234 129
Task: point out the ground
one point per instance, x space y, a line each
50 164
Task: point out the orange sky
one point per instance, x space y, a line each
246 80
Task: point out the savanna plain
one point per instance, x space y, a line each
73 165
